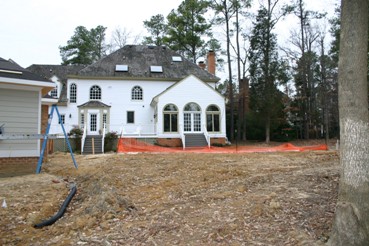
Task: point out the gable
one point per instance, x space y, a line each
190 87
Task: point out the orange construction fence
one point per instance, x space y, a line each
129 145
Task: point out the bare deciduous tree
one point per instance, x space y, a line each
121 37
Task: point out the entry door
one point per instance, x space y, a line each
192 122
93 123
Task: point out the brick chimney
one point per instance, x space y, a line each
202 65
211 62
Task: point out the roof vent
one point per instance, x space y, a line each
156 69
121 68
176 58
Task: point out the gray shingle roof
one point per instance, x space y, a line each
60 71
139 58
15 71
94 104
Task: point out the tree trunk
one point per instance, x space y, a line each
351 222
305 111
268 80
240 108
325 91
245 105
230 83
267 130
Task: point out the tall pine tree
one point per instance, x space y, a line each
187 27
157 27
265 70
85 46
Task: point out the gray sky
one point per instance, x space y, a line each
31 31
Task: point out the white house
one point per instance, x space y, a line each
20 113
142 92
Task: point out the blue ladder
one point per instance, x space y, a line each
46 137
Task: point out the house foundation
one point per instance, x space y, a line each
169 142
14 166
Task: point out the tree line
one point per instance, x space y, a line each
274 92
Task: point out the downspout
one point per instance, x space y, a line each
206 134
183 137
103 137
84 137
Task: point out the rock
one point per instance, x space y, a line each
274 204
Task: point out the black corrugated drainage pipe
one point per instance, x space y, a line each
61 212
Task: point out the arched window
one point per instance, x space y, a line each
54 92
137 93
95 93
212 119
194 107
170 116
73 93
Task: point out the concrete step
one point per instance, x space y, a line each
195 140
87 149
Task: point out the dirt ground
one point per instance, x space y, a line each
175 199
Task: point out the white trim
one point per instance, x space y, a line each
39 120
19 153
49 101
10 71
26 82
18 87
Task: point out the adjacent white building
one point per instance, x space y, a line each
20 113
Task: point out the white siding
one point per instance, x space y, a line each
20 111
117 94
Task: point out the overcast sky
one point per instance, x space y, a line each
31 31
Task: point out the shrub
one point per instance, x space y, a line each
109 141
77 133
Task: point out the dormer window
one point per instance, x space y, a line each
121 68
176 58
156 69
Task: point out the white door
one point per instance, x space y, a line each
93 123
192 122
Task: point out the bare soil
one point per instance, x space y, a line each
175 199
